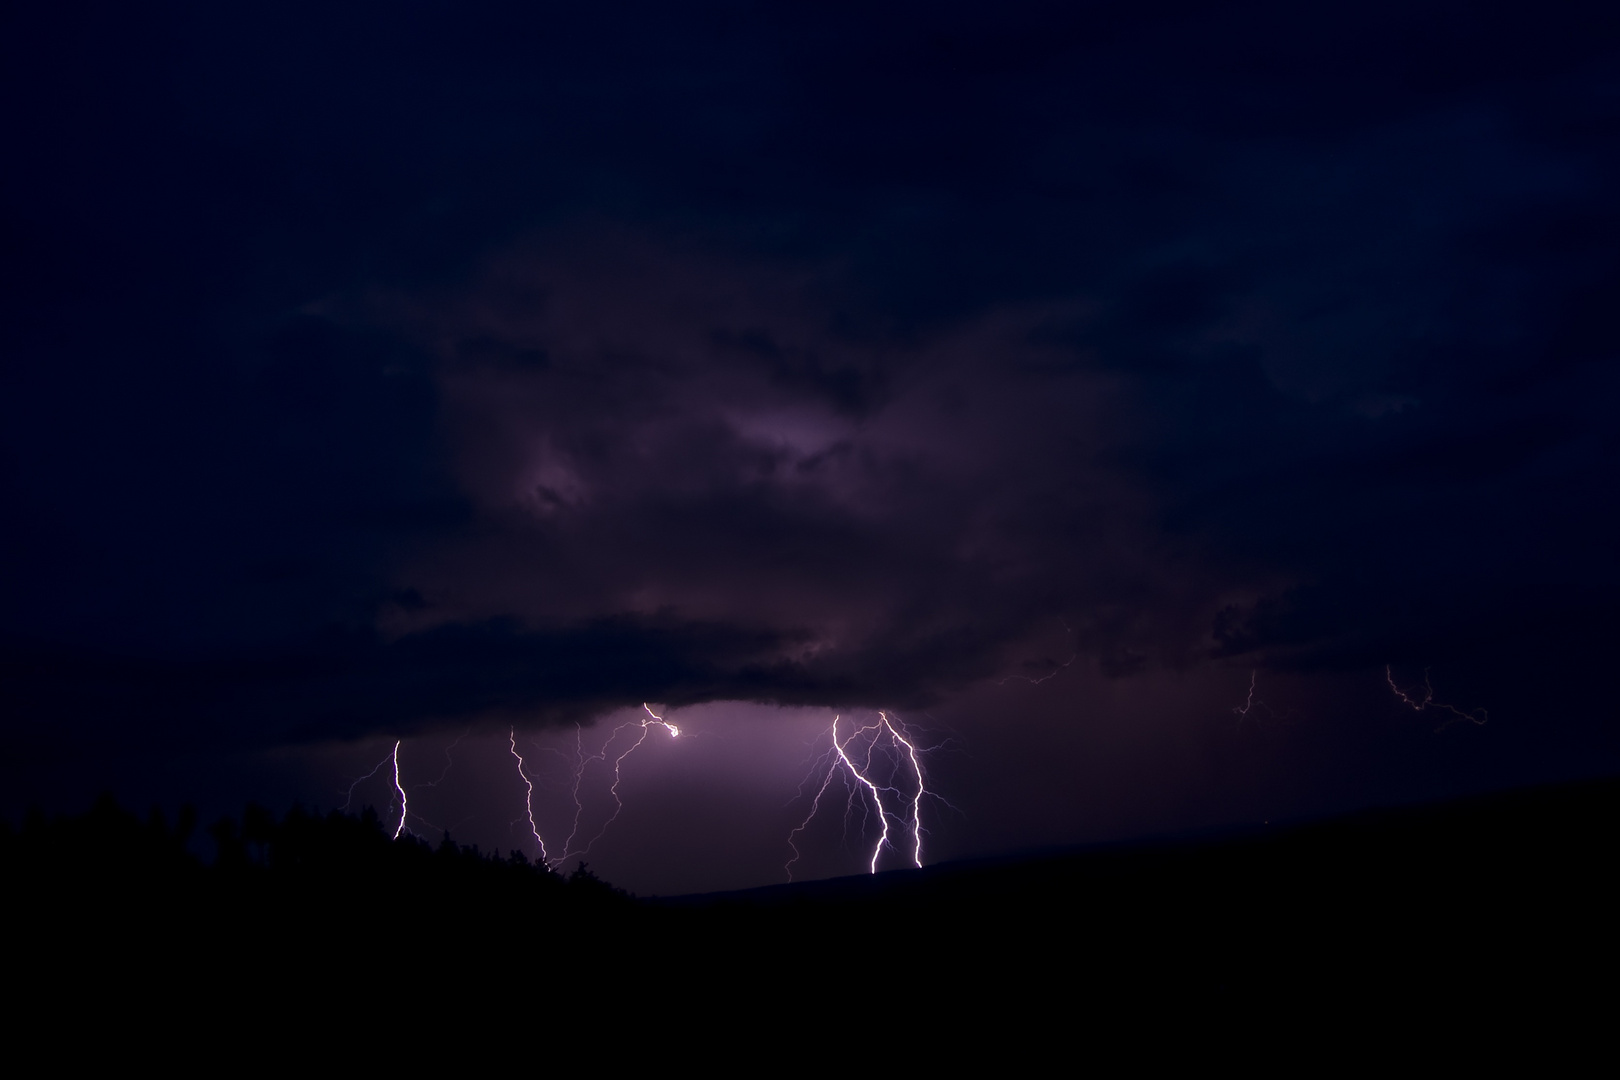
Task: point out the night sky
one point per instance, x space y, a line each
1045 375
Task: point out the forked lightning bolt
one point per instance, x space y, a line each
581 759
892 736
349 801
652 719
880 764
405 812
1418 703
877 795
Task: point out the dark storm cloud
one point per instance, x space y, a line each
369 368
350 686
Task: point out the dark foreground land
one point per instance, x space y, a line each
1491 899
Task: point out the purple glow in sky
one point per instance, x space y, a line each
1054 378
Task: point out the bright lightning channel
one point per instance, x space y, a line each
399 788
1419 703
405 812
843 759
877 796
392 756
528 798
838 762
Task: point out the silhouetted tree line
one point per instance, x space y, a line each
115 905
1500 892
293 882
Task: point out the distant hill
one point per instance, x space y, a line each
1488 895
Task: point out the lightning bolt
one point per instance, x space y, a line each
405 813
448 761
528 798
877 794
880 764
651 720
815 804
580 761
349 800
1426 701
916 799
889 734
1251 703
399 788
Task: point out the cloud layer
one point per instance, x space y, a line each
364 375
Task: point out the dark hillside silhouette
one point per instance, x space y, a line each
307 899
1482 897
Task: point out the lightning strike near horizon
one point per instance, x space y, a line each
399 792
1426 701
581 759
601 755
528 798
399 788
880 764
349 800
877 795
890 735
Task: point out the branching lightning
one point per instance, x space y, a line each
887 738
651 720
1251 703
879 764
448 761
399 792
391 759
349 800
877 794
581 759
1418 703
